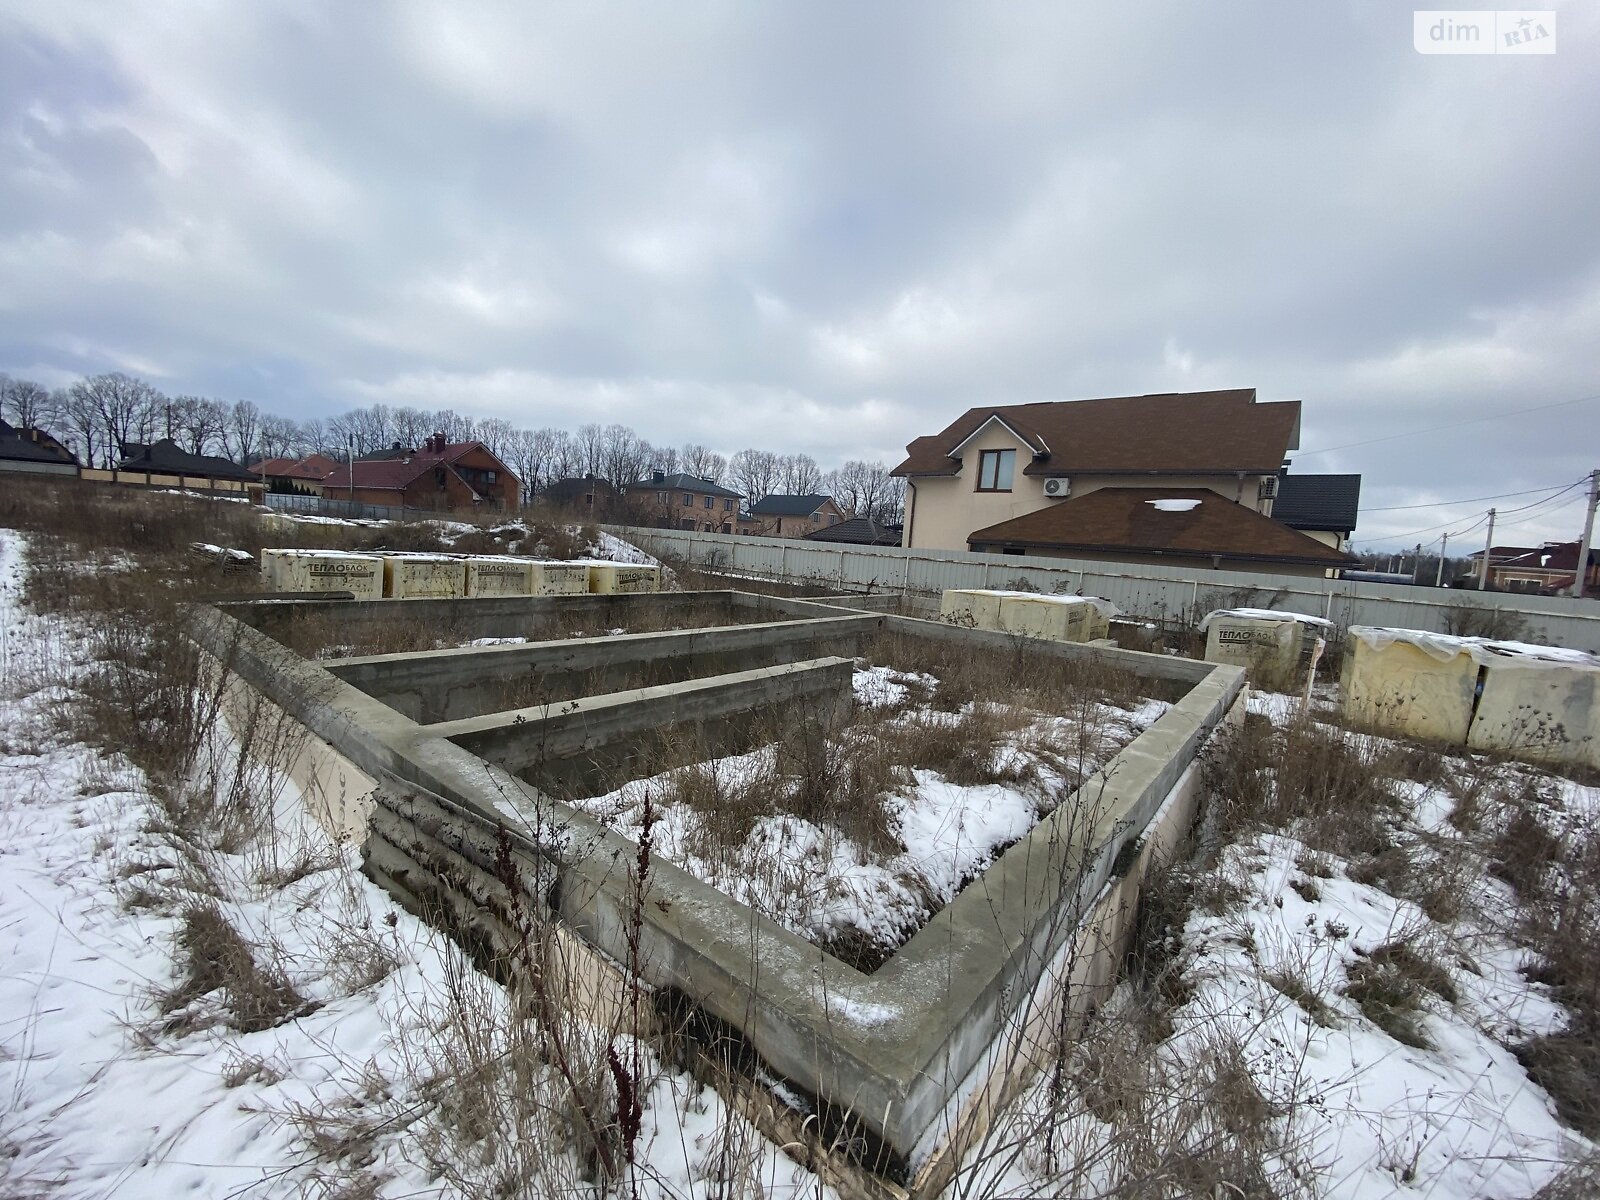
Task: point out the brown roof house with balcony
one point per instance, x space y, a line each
1175 478
791 516
682 501
441 476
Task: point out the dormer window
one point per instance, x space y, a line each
995 469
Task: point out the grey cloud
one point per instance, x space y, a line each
822 228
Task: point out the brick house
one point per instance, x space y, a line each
302 475
442 476
791 516
682 501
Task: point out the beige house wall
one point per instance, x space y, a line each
945 509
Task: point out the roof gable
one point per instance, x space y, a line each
683 482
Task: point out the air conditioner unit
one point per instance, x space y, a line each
1268 488
1058 488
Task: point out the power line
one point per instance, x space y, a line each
1468 499
1390 437
1454 533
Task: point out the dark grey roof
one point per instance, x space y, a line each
18 446
167 457
1326 502
563 491
678 481
787 506
858 531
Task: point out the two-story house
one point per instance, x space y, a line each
441 475
1175 478
682 501
792 516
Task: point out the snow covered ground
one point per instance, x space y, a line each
106 1096
819 882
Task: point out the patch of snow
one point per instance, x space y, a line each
1173 505
883 687
1484 651
1263 614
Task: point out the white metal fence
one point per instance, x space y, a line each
1170 595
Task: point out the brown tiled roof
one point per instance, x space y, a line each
396 474
315 467
1177 432
1124 519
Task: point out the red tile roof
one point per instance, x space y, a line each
1126 520
1192 433
397 474
313 467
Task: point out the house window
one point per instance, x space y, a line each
816 518
710 502
687 523
727 506
726 528
994 470
688 502
588 498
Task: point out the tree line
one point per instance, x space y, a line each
97 416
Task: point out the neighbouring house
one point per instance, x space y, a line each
164 463
30 451
859 531
1549 568
792 516
302 476
1322 506
589 494
1185 477
680 501
441 476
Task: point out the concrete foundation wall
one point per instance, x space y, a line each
447 685
885 1053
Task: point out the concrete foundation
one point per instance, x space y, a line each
895 1063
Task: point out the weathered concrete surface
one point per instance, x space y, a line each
511 616
1541 711
499 575
323 571
447 685
423 577
886 1052
612 729
1270 648
1402 690
1053 618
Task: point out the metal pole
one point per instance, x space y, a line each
1488 544
1444 547
1580 576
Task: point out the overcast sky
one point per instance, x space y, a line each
827 228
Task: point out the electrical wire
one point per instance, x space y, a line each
1468 499
1391 437
1499 523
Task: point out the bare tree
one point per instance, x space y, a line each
799 475
588 444
27 404
82 417
412 426
564 455
866 489
666 460
702 462
493 432
119 403
755 473
311 436
242 431
277 437
196 422
624 456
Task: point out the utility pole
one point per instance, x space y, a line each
1488 544
1416 564
1444 548
1580 576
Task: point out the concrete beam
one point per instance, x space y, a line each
545 735
449 685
